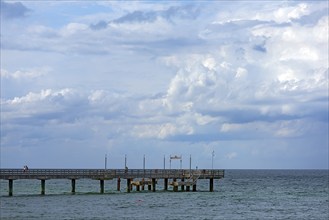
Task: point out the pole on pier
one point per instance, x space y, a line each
11 186
164 162
211 184
190 163
43 186
170 162
181 161
125 161
73 185
144 164
212 159
105 161
101 184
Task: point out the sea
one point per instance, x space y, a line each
242 194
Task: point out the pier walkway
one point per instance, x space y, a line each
134 177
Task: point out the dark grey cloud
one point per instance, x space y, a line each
13 10
260 48
100 25
172 13
181 12
138 16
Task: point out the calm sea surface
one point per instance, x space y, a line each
242 194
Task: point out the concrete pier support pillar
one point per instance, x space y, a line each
72 185
11 187
166 184
187 188
182 186
101 184
128 185
137 188
43 187
149 187
175 186
118 184
194 188
211 185
153 184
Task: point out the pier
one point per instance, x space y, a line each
138 178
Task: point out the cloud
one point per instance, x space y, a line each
231 155
172 13
99 25
243 78
13 10
25 74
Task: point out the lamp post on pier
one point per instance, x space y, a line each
212 159
105 161
190 163
181 161
144 163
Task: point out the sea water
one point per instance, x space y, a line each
242 194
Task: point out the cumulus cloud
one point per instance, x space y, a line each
256 73
25 74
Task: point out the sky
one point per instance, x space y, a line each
227 84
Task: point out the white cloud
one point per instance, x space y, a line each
160 131
289 13
26 73
241 73
231 155
73 28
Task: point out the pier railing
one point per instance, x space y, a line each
109 173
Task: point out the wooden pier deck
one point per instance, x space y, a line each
134 177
